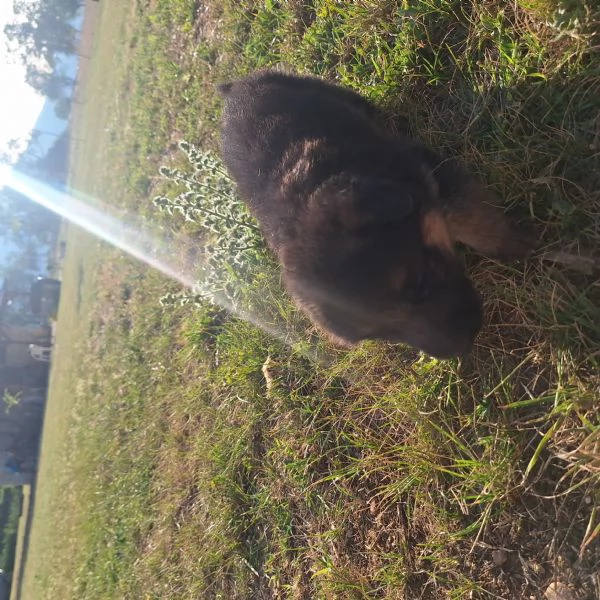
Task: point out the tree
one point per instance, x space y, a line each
62 108
43 31
54 85
22 221
54 165
9 154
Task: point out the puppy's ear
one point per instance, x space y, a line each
225 88
381 201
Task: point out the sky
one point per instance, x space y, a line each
20 105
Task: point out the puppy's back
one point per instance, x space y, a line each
271 92
266 113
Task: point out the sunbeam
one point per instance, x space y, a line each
138 239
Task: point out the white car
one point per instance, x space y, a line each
41 353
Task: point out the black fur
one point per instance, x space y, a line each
348 210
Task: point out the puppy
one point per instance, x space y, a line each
364 223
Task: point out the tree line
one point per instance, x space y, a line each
42 36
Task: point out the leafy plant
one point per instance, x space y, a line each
11 400
235 254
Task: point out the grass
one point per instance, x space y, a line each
10 509
19 544
188 454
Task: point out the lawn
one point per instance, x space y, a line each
188 453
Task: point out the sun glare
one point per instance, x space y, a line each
139 240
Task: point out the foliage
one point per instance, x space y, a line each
235 255
23 221
62 108
43 30
53 84
11 400
10 511
26 231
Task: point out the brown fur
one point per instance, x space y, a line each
436 231
475 222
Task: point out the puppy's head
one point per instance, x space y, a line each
371 260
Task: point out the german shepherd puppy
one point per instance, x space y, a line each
363 222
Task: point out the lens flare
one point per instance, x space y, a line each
138 238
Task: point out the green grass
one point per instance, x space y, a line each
188 454
10 511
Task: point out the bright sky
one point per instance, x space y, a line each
20 105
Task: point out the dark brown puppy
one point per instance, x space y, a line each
363 223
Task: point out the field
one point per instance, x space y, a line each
188 453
